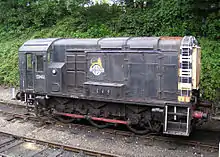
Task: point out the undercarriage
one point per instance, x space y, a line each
138 119
141 119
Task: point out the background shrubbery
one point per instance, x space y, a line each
21 20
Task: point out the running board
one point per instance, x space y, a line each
177 120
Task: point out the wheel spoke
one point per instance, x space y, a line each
156 126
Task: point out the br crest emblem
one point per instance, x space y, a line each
96 66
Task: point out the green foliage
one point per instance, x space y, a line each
21 20
210 75
9 62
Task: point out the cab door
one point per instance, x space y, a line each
29 83
40 73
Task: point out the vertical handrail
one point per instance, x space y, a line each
175 112
165 124
187 122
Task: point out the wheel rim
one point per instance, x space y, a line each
65 119
141 130
99 124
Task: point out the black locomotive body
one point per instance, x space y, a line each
143 82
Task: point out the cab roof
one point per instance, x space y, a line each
37 45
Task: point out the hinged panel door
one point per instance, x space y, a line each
40 71
136 76
169 81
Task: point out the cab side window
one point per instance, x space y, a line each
29 61
40 63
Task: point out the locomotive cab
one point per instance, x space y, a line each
34 59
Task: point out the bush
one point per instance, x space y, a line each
9 62
210 75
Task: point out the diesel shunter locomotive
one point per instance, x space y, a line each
145 83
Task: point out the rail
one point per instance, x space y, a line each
11 141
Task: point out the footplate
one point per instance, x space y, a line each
177 120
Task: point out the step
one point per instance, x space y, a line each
177 114
176 123
179 133
216 118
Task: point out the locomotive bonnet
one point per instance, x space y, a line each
145 83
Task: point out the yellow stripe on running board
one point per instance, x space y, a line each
183 99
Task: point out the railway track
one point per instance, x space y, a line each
13 145
19 111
